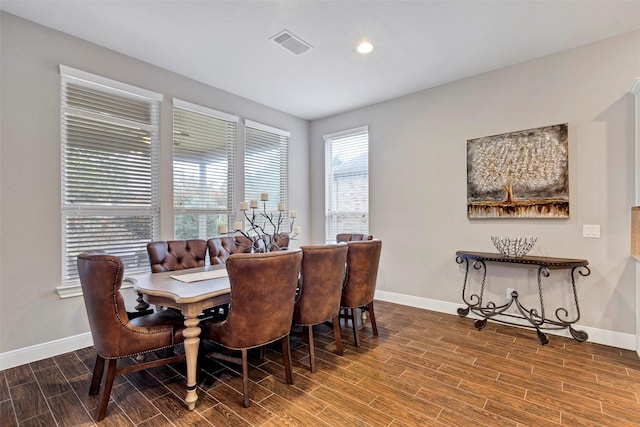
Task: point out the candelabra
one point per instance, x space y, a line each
257 236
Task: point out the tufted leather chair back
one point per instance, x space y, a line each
221 247
347 237
323 274
114 336
363 259
277 242
263 290
176 254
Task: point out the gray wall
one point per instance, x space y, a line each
418 178
30 310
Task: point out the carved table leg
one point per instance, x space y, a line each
142 306
191 344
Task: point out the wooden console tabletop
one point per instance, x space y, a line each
549 262
537 319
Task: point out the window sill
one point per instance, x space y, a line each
70 291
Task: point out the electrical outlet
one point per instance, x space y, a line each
591 231
509 292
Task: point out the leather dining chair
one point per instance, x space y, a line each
323 274
276 242
263 291
348 237
115 337
175 255
363 259
221 247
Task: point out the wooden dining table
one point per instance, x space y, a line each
192 292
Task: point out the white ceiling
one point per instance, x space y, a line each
417 44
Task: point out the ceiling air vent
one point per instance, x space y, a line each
291 42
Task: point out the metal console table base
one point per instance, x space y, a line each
537 320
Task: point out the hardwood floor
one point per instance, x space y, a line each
424 369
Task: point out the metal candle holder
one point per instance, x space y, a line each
258 224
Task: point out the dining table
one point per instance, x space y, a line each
191 291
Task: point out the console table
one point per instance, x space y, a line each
538 319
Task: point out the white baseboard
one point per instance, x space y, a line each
599 336
37 352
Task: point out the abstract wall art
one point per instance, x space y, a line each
523 174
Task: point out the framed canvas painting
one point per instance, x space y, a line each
523 174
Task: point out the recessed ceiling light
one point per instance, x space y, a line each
365 47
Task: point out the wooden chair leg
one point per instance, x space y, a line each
345 316
372 318
106 389
354 322
98 369
286 359
312 350
336 334
245 378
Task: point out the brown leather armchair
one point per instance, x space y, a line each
323 274
347 237
263 291
176 254
115 336
363 259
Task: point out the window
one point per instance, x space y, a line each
266 165
110 183
204 142
347 186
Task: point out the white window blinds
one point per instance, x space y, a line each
347 186
204 143
110 157
266 164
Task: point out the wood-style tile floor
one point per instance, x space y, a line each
424 369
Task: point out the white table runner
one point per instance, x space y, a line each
202 275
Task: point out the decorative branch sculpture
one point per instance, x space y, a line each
257 235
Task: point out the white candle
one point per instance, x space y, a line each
293 214
238 225
254 204
244 206
264 197
281 207
222 228
298 230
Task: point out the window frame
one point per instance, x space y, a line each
70 284
330 230
282 137
231 148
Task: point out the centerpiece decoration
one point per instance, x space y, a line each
265 232
514 247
